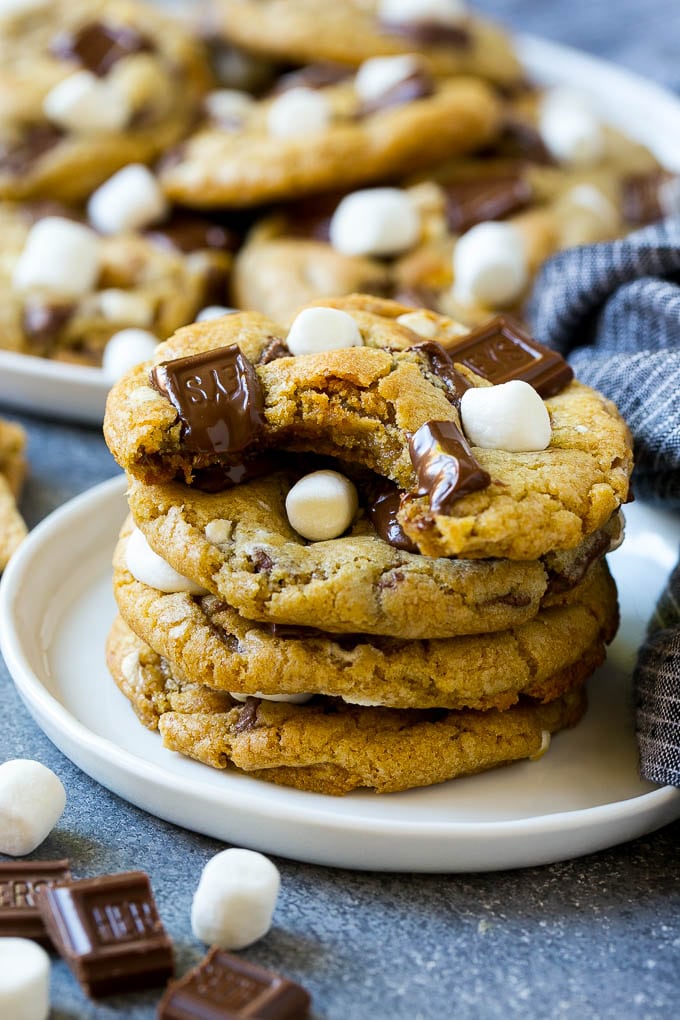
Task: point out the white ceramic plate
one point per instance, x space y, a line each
55 610
644 110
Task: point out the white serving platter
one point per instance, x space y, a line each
582 796
646 111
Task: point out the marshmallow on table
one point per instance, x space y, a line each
290 699
149 568
510 416
130 200
322 505
490 265
32 800
59 256
228 106
86 104
380 74
234 903
375 221
569 128
24 980
299 111
127 348
322 329
214 312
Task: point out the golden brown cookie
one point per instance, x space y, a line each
325 745
12 472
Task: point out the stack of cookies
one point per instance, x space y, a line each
366 550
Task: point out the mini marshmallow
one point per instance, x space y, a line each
18 8
375 221
298 111
444 12
510 416
322 329
149 568
24 980
59 256
290 699
32 800
125 306
228 107
322 505
570 130
130 200
546 738
380 74
127 348
489 265
419 322
213 312
85 104
234 903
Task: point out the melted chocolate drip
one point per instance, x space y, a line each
98 46
441 365
443 461
382 512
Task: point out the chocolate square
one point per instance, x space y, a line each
109 932
445 466
19 885
502 350
218 397
226 987
491 198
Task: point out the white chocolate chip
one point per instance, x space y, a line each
322 505
510 416
60 256
234 903
24 980
298 111
490 266
85 104
322 329
149 568
228 107
127 348
444 12
125 306
130 200
380 74
219 531
587 196
375 221
290 699
32 800
214 312
545 744
570 129
421 322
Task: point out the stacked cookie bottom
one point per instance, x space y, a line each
331 712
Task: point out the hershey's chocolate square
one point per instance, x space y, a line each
19 885
502 350
109 932
445 466
226 987
218 397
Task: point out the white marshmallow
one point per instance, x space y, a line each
127 348
445 12
570 130
85 104
510 416
214 312
59 256
291 699
322 329
17 8
234 903
546 738
419 322
24 980
322 505
375 221
489 265
130 200
149 568
589 197
380 74
32 800
228 107
298 111
125 306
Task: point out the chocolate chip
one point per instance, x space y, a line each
186 232
382 513
275 349
445 466
428 32
43 322
262 563
247 717
98 46
36 141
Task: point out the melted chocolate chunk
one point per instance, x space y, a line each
471 202
247 718
217 477
441 365
43 322
186 232
429 32
443 461
313 76
275 349
36 141
521 140
217 396
502 350
650 197
418 85
383 512
98 46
